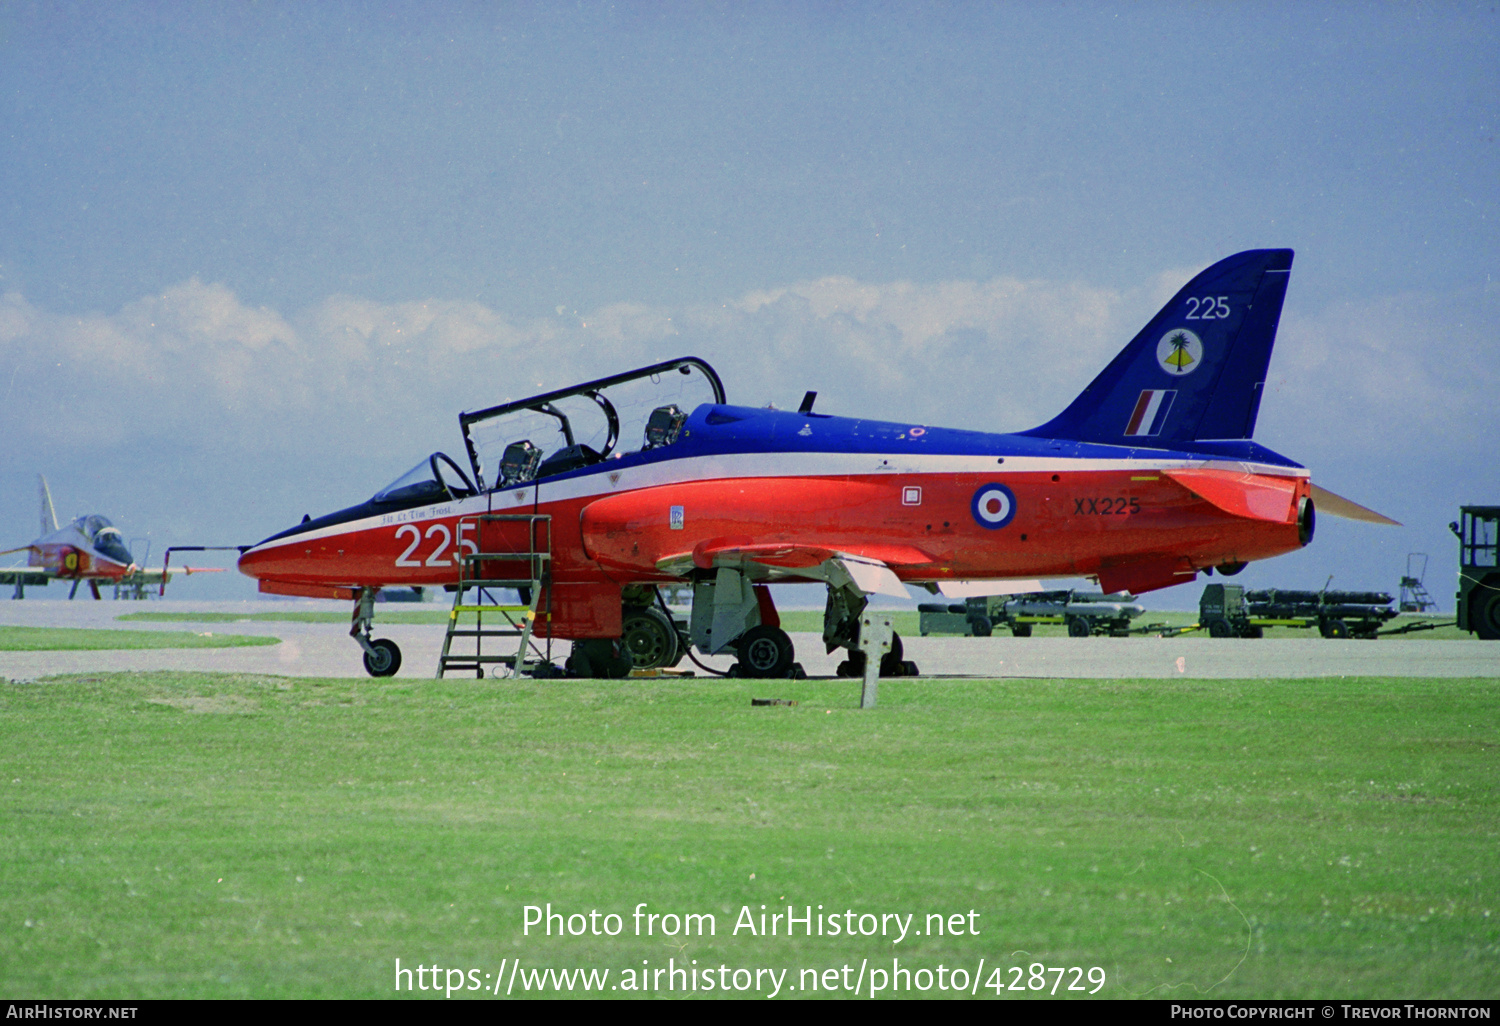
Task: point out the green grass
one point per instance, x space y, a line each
189 835
49 639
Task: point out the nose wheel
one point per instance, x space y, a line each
383 659
382 656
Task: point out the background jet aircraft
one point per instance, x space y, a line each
88 549
1147 479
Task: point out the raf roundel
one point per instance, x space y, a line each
994 506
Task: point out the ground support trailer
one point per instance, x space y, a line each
1084 613
1229 611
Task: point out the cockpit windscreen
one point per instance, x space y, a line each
434 479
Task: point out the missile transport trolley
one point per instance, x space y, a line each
1229 611
1084 613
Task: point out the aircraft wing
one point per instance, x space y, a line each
976 589
19 577
866 567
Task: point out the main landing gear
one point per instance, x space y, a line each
382 656
765 652
841 630
730 613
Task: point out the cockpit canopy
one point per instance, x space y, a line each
104 537
589 423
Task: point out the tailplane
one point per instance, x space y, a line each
1196 372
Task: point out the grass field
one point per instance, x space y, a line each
48 639
184 835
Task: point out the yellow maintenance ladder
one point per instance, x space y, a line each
511 551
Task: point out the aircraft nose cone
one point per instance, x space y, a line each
252 562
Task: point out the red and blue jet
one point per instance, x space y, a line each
651 478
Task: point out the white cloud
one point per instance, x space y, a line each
194 365
1404 373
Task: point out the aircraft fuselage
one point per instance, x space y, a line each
933 504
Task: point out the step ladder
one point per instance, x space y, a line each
1414 597
512 552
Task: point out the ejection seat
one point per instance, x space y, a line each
570 458
663 426
519 463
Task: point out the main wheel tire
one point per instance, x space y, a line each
1220 629
650 638
387 658
854 666
981 627
765 652
1021 630
1079 627
893 663
1484 612
598 659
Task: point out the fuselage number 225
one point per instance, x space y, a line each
444 538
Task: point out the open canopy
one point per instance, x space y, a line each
578 426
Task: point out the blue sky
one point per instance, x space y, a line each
254 259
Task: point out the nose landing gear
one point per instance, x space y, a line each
382 656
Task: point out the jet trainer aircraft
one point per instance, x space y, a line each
90 549
1148 478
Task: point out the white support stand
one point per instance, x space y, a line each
874 642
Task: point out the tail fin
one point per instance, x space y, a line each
1195 373
49 515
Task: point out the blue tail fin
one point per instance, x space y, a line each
1196 372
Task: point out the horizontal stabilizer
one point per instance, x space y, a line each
1337 505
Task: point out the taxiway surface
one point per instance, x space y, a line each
326 650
